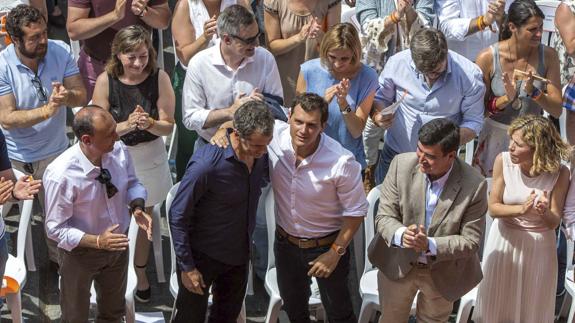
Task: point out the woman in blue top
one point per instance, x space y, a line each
346 84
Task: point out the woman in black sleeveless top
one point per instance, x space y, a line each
140 98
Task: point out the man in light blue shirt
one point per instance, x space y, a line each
429 82
38 79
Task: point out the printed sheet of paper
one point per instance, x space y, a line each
393 107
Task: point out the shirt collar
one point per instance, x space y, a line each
12 57
86 164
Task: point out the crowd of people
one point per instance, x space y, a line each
317 117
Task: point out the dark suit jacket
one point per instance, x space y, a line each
457 225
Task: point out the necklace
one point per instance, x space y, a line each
517 56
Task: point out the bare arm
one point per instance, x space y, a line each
466 135
278 45
80 27
187 44
565 23
552 100
76 91
11 118
166 104
355 122
485 61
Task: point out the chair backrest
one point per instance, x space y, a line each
133 236
169 200
24 224
270 206
369 222
549 32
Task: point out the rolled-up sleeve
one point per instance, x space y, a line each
192 187
450 22
59 207
350 190
425 11
472 106
365 11
194 99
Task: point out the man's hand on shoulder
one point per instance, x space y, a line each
193 281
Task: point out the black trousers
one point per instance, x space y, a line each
292 265
228 285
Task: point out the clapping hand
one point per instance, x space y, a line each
341 92
210 28
6 187
414 237
139 7
309 30
542 204
26 187
529 203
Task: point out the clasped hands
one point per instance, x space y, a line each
415 237
340 91
540 203
139 119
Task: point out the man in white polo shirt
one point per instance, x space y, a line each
221 78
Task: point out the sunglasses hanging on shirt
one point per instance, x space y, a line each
106 179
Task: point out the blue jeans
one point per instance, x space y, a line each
292 265
385 157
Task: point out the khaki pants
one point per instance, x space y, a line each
395 308
37 169
109 272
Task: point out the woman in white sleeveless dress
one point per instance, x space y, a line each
526 200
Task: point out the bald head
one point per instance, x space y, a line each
87 117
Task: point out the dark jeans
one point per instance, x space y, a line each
385 157
228 289
292 265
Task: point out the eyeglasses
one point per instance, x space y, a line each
40 92
248 41
106 179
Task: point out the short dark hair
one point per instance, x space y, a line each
22 16
83 123
311 102
233 18
440 131
428 49
252 117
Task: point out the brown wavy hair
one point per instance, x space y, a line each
127 40
545 141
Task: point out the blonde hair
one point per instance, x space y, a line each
127 40
544 139
341 36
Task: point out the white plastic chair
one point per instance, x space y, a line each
368 283
469 150
15 266
468 300
270 282
549 32
174 287
25 208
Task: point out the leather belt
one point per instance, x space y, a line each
307 243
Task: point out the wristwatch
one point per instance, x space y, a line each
338 249
346 110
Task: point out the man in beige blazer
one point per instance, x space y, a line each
429 226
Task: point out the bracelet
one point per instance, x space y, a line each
14 196
98 242
393 18
536 94
479 22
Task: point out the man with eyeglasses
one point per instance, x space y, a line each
223 77
38 79
427 81
213 215
91 194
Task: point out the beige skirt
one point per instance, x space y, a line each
519 277
152 169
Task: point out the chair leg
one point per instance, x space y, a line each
130 310
250 288
157 244
274 309
464 312
30 250
15 305
243 316
367 309
571 313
